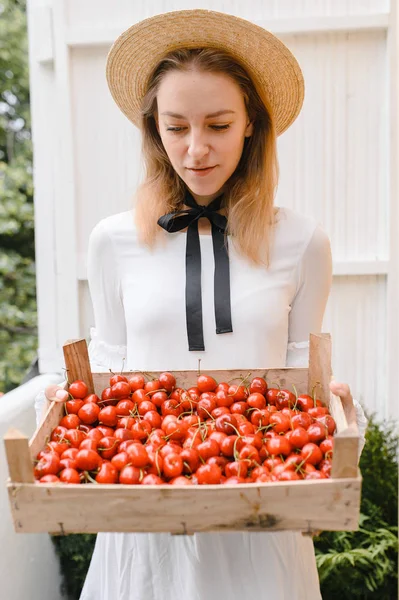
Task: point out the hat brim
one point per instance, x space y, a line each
138 50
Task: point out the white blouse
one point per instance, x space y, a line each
138 298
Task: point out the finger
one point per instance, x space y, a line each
340 389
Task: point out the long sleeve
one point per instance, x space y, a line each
308 306
314 278
107 348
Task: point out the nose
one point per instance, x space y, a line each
198 146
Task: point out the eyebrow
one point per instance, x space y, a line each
211 116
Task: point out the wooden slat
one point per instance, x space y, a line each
320 366
51 419
267 507
286 378
18 457
77 362
346 456
346 440
297 506
338 413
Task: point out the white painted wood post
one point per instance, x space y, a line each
393 274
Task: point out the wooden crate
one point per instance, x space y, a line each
331 504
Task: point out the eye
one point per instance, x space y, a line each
175 129
220 127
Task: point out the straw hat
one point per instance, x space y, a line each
272 67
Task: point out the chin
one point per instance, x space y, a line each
202 188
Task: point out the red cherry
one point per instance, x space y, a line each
285 399
108 473
78 389
256 400
167 381
209 474
116 378
259 385
121 389
312 454
205 383
278 446
136 382
239 393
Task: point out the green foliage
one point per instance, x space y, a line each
18 319
363 564
74 552
359 565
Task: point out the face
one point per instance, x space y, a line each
203 123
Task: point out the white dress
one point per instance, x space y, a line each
139 308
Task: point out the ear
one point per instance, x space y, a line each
249 130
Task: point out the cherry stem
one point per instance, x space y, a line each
303 462
148 375
313 392
66 376
155 391
208 413
242 380
184 413
123 364
195 435
276 383
296 397
89 477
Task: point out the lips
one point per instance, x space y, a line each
201 171
199 168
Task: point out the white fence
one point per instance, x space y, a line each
336 163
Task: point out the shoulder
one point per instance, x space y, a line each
299 233
113 230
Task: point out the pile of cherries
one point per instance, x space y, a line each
148 431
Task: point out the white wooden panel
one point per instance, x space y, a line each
65 201
128 11
78 36
356 316
334 162
334 159
393 277
43 110
106 146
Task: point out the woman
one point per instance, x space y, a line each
206 249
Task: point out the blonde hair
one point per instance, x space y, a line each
250 191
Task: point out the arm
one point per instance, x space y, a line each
314 278
107 348
306 316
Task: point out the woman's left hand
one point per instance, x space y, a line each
343 391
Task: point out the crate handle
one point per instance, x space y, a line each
77 362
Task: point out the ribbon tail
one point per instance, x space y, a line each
173 222
221 282
193 290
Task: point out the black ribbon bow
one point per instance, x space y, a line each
176 221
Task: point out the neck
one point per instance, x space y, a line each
206 200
